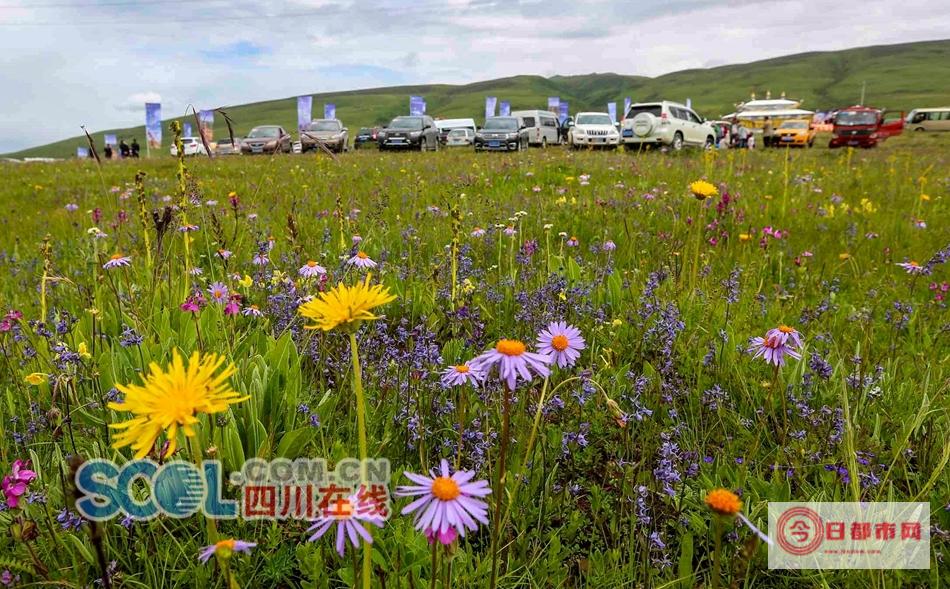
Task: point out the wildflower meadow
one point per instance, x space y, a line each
585 369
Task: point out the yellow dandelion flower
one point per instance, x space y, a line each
723 502
345 305
744 237
36 379
924 197
703 190
844 256
171 399
246 282
83 350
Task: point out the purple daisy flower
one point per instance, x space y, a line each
361 260
912 267
478 232
513 360
226 548
786 334
772 349
348 525
218 292
252 311
609 246
117 261
460 374
446 501
311 269
562 342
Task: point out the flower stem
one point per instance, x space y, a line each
361 428
717 550
500 485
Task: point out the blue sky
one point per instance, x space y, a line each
95 62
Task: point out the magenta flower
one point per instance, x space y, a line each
513 361
562 342
311 269
233 307
446 501
445 538
460 374
361 260
348 520
15 484
225 548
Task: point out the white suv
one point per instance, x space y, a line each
666 123
593 129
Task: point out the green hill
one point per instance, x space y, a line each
897 76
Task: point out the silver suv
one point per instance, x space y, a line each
665 123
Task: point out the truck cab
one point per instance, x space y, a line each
863 126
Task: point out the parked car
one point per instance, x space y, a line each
226 147
794 132
541 125
863 126
460 138
327 132
929 119
501 134
366 135
666 123
593 129
412 132
447 125
191 146
267 139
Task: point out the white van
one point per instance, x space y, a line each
929 119
541 125
446 125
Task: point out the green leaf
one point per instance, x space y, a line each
292 444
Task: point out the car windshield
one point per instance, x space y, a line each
365 131
324 126
856 117
263 133
595 119
795 125
458 133
654 109
406 123
501 124
189 140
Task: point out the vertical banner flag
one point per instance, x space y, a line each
612 111
504 108
689 103
329 111
562 112
424 105
110 140
187 130
153 125
626 106
416 108
304 111
554 103
490 102
206 124
82 152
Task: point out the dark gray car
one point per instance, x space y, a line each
502 134
415 132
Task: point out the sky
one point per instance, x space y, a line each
96 62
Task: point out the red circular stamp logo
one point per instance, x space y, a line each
800 531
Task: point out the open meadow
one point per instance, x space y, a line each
576 329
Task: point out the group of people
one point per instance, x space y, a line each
738 135
125 149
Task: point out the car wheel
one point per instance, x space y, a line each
677 141
919 129
435 145
710 143
423 145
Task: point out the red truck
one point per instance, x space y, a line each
863 126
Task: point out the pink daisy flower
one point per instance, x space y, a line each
349 524
361 260
562 342
446 501
572 242
460 374
478 232
513 361
311 269
117 261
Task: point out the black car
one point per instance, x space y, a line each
502 134
413 132
365 135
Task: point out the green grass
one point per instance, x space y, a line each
581 513
899 77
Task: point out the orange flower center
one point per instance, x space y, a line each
445 488
786 329
311 263
723 502
218 294
914 264
361 255
559 342
510 347
255 307
462 368
229 544
573 238
117 256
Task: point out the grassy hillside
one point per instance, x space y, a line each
897 76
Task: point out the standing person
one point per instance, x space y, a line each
123 148
734 133
135 147
767 133
743 136
750 142
107 151
726 138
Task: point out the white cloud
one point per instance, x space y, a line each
106 60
